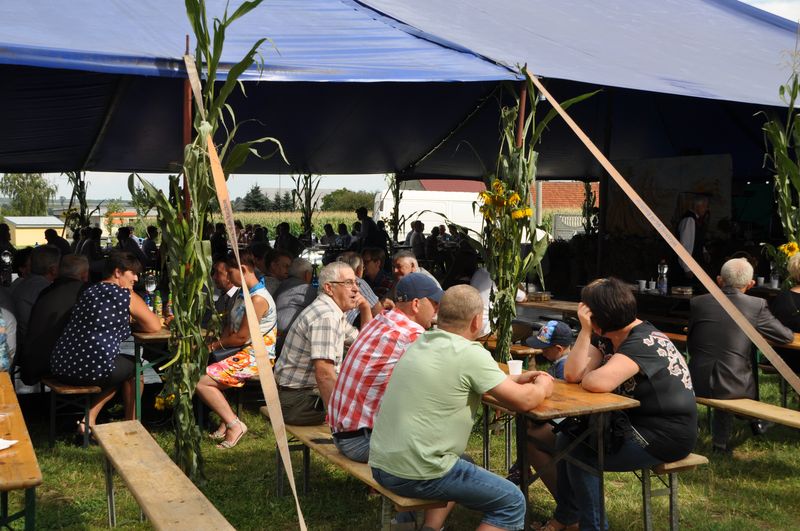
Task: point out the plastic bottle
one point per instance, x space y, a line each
169 304
662 284
314 278
148 300
158 307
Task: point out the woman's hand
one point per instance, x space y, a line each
585 316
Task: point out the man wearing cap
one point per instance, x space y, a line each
426 417
370 361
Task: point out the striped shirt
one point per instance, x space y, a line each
366 370
318 333
367 293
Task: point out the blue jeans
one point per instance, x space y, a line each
469 485
578 494
355 448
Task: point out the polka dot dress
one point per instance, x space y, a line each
100 321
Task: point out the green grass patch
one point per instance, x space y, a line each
757 488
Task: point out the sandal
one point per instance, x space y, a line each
219 434
227 445
554 525
79 434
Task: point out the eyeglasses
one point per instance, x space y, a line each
348 283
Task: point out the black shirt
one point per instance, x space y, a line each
786 307
667 416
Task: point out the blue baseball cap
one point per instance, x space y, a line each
552 333
418 286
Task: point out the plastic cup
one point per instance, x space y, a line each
642 285
651 285
774 283
759 281
514 367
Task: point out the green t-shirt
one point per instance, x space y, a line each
427 412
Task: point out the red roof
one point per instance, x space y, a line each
451 185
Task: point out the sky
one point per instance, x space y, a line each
114 185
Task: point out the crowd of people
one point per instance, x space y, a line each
354 345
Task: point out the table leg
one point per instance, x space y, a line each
30 509
112 509
137 375
485 436
522 461
3 507
601 465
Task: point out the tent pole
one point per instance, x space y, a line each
602 193
187 134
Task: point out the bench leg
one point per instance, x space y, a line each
51 440
784 392
3 507
30 509
306 469
112 510
486 437
386 514
647 513
279 472
673 502
508 425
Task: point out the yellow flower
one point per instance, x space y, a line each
518 213
790 249
159 405
513 199
486 197
782 248
498 187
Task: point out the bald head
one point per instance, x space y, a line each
458 309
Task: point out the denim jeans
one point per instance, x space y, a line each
469 485
355 448
578 494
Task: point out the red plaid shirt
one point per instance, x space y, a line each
366 370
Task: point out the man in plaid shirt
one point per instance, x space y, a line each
312 354
369 363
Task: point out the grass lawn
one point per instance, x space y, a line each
757 488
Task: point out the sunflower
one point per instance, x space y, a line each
513 199
498 187
790 249
520 213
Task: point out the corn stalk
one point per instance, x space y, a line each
396 221
188 257
305 187
783 153
507 210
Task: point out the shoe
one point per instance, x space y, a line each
722 451
227 445
80 431
219 435
760 427
553 525
515 474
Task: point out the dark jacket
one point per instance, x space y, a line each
720 359
49 317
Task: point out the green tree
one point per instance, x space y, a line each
113 206
29 193
269 205
344 199
142 201
277 202
254 200
287 204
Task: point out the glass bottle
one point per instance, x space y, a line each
662 284
314 277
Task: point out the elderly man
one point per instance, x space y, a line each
44 270
426 417
312 354
293 295
691 233
353 259
369 363
49 316
720 354
405 262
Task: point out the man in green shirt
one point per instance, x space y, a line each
427 413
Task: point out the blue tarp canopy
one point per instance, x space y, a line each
374 86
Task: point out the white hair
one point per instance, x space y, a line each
299 268
331 273
736 273
406 255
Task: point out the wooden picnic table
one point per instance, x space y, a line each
567 400
19 468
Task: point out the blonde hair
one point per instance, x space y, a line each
458 306
794 268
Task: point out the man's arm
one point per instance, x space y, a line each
533 388
769 326
325 374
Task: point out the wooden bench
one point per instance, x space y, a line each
690 462
319 439
19 468
166 496
755 409
63 396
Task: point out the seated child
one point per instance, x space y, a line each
555 339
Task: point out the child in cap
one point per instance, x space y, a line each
555 339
